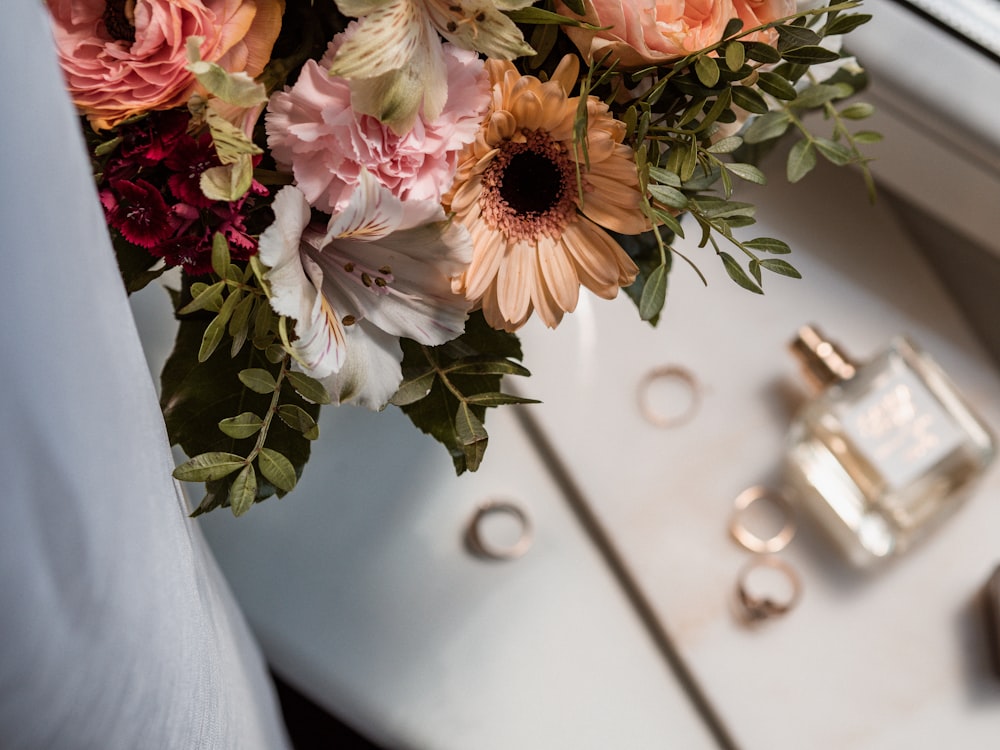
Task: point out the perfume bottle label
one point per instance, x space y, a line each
902 428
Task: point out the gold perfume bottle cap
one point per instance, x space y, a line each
822 360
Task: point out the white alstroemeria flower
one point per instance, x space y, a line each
395 62
374 274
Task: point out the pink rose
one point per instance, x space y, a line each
644 32
314 133
124 57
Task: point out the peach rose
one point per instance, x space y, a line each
644 32
758 12
124 57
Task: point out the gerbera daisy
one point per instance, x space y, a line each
535 239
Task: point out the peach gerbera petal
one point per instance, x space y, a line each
517 191
559 275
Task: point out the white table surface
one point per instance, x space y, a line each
888 660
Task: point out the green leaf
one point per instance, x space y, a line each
763 53
299 419
721 105
664 176
243 491
207 466
717 208
667 221
206 298
810 55
725 145
835 153
790 37
487 366
654 293
817 95
735 56
220 254
689 161
309 388
705 179
733 27
239 323
537 16
768 245
228 305
801 160
213 337
227 182
749 99
498 399
472 436
258 380
857 111
668 196
781 267
263 320
767 127
747 172
235 88
707 70
107 147
413 390
847 24
543 39
776 85
242 426
867 136
277 469
738 275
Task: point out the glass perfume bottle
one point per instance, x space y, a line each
885 449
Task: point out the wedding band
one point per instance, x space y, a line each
751 541
757 608
479 545
669 372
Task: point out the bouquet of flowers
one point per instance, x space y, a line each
366 199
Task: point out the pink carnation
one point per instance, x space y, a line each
313 133
124 57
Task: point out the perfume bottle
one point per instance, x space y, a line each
885 449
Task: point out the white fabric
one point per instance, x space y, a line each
116 628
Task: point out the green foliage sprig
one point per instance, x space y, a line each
243 415
447 389
673 117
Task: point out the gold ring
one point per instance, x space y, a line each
666 372
481 547
755 608
751 541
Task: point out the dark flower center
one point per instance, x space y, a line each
117 20
529 189
532 183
